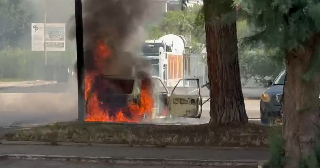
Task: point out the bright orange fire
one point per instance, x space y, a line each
95 113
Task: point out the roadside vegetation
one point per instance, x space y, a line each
249 135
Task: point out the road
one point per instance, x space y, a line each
124 155
58 102
253 92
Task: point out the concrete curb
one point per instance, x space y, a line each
138 161
252 98
5 142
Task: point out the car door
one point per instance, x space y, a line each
186 101
161 94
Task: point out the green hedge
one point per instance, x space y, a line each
258 64
29 65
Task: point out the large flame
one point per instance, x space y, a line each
94 112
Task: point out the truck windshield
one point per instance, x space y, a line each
151 49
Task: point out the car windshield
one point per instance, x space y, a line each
280 79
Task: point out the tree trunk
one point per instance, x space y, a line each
227 102
301 108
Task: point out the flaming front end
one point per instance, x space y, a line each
115 98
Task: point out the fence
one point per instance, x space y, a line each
195 66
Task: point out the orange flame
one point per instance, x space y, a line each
95 113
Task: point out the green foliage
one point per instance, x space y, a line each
219 11
183 23
258 64
28 65
15 22
282 25
18 64
277 157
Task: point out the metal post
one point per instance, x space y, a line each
45 32
80 60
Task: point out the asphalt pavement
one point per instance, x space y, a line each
53 87
189 153
52 102
13 155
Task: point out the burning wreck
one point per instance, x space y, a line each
118 86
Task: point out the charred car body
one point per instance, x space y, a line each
116 92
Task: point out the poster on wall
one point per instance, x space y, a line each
53 36
37 37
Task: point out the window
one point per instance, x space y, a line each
151 49
280 79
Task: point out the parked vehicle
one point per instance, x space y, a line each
166 57
270 103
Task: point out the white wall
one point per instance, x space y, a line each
160 5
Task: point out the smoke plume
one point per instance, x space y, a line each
120 24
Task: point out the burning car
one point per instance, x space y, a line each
136 100
118 99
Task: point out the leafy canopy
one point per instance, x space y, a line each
183 23
14 22
282 24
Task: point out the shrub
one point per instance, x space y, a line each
258 64
29 65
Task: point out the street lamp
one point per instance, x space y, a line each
80 59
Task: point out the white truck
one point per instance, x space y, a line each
166 58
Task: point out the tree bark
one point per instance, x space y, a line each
227 102
301 107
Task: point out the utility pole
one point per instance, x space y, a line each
45 33
80 60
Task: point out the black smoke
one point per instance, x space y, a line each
118 23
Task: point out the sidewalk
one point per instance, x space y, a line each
25 83
116 151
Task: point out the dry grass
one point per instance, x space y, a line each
249 135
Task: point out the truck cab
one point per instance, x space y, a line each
156 52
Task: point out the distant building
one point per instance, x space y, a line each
175 5
160 5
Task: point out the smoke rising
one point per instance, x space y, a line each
120 23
